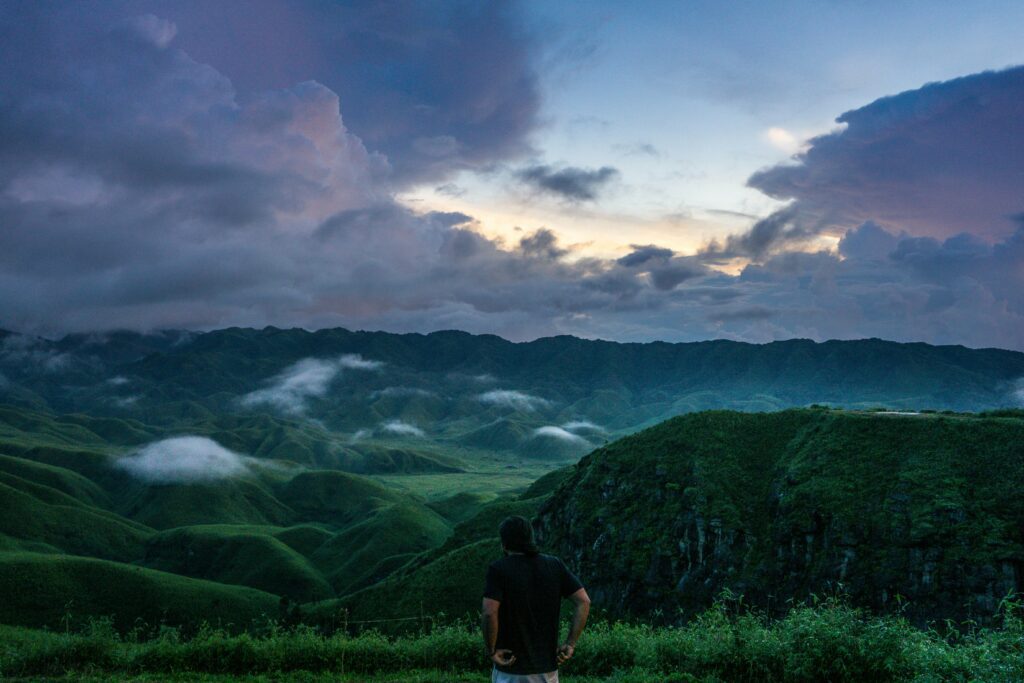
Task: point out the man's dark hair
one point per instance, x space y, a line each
517 535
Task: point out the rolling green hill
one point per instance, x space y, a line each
42 590
342 468
922 510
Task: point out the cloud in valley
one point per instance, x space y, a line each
183 460
517 400
554 432
582 426
401 428
402 392
308 378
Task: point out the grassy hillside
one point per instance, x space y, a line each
47 590
40 514
244 556
779 506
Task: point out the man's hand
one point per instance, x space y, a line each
503 657
564 653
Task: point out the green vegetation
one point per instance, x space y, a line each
829 641
924 508
48 590
336 519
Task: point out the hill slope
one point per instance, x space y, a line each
779 506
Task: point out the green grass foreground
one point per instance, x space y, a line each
830 641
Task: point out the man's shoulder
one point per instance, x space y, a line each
514 560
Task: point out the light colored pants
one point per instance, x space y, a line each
502 677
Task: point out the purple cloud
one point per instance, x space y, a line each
939 160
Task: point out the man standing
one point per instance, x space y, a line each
522 601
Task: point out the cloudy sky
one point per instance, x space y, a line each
675 170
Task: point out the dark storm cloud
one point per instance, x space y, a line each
542 244
643 253
779 231
144 186
435 87
749 313
139 189
665 269
936 161
570 183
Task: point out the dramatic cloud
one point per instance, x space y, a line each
517 400
191 166
663 268
306 379
185 459
940 160
561 434
781 230
570 183
401 428
436 87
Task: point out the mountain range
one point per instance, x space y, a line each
177 476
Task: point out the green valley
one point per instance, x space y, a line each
341 481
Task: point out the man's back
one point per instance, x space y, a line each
530 589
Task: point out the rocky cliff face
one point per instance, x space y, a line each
918 513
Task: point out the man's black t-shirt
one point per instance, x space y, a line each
530 590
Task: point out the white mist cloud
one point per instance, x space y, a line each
353 361
359 435
308 378
561 434
509 398
583 426
402 391
118 381
185 459
401 428
23 349
1018 392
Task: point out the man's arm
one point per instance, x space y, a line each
579 619
489 624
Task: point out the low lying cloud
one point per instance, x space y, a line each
389 392
509 398
359 435
1018 392
583 426
23 349
309 378
401 428
185 459
569 182
561 434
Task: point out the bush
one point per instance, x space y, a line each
829 641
